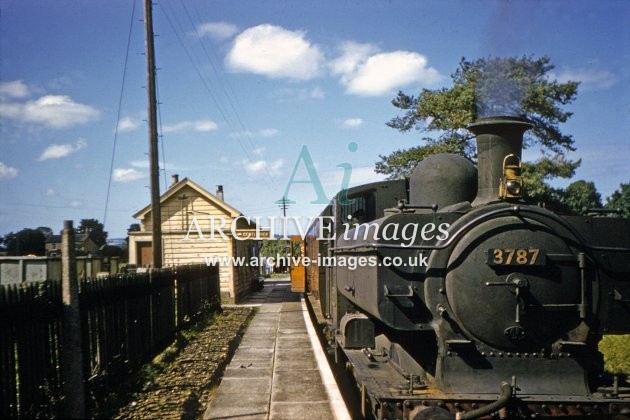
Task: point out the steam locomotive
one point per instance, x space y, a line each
448 297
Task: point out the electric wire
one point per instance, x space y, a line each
168 240
230 96
160 135
206 82
120 99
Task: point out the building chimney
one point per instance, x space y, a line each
220 192
497 137
175 179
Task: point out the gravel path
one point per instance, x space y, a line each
185 387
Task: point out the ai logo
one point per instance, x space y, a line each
313 178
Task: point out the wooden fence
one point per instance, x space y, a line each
125 319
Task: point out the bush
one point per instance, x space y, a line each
616 351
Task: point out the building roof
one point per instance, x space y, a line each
173 189
56 239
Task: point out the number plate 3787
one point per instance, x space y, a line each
516 256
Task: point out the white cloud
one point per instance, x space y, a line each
268 132
382 73
366 71
275 52
7 172
15 89
200 126
265 132
50 192
352 56
363 69
75 204
590 79
262 167
127 175
58 151
258 151
300 94
316 93
205 125
127 124
352 123
55 111
144 164
218 31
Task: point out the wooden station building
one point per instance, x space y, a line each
198 227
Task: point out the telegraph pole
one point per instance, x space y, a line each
156 211
72 355
284 205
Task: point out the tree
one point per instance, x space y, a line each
25 242
113 251
274 248
94 229
46 231
535 177
134 227
620 199
487 87
581 195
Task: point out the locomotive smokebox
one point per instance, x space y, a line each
498 138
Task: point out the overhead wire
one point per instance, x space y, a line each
235 124
120 99
224 84
189 54
160 135
206 82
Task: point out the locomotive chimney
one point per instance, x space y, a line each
497 138
220 192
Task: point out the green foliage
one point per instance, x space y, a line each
94 229
489 87
46 231
581 195
273 248
134 227
25 242
616 351
113 251
402 162
620 199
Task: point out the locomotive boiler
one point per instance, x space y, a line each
463 301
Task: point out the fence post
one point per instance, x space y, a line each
72 349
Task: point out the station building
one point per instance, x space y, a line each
196 229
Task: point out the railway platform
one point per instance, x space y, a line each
279 370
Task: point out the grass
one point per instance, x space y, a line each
616 351
112 398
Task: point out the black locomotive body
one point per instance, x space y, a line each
448 297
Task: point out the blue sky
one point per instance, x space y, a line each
244 85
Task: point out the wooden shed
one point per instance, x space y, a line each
199 227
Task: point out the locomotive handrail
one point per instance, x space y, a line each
516 210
